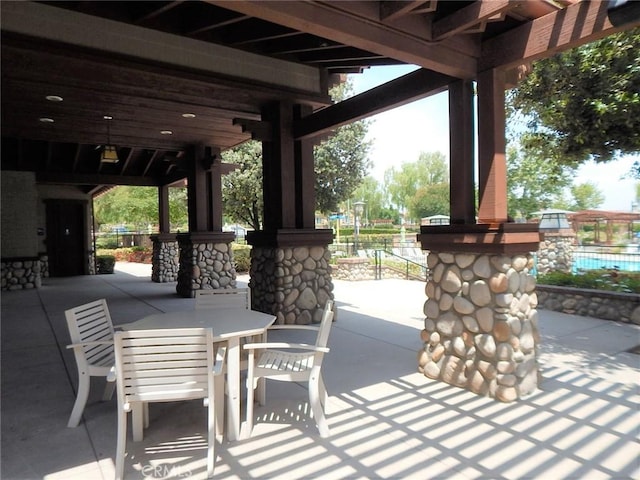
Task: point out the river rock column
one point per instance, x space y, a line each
481 325
165 257
556 251
206 262
293 283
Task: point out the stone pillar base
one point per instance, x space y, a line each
164 261
205 262
291 281
481 325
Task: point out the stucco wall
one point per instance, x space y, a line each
19 228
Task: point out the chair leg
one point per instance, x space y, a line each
250 391
81 399
121 442
219 403
323 394
316 407
261 391
108 391
211 436
137 420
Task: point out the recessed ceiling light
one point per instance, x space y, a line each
166 132
46 120
54 98
189 115
108 117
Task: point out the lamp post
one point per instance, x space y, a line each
358 208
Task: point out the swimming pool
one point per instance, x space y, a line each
628 262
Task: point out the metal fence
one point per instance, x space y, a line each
609 257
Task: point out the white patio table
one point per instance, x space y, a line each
229 324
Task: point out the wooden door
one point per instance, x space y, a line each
66 238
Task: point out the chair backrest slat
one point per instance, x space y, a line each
325 324
155 365
223 297
91 322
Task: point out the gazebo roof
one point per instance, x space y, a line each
584 216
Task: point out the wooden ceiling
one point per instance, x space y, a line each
194 68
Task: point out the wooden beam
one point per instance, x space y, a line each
477 13
570 27
492 161
260 130
340 22
461 151
391 10
63 178
406 89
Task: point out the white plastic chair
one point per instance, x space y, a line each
291 362
165 365
91 332
223 298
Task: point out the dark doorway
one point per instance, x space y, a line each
66 237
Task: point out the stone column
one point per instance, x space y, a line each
481 323
206 262
291 281
164 260
556 251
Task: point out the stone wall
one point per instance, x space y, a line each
204 266
481 323
356 269
19 274
620 307
293 283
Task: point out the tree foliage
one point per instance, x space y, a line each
430 200
403 183
534 181
242 188
584 103
138 206
342 161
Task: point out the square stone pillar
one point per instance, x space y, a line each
164 260
291 279
481 323
206 262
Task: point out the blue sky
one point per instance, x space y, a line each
400 135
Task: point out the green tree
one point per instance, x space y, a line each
534 181
342 161
242 188
138 206
370 191
585 196
404 183
584 103
430 200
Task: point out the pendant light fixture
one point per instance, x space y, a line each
109 153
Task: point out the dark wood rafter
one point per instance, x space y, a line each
126 158
474 15
335 22
580 23
260 130
408 88
390 11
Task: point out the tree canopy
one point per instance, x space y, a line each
404 183
342 161
583 104
242 188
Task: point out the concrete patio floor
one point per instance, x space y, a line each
386 420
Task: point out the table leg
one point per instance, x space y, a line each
233 386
